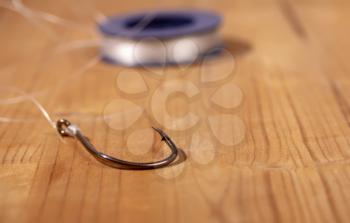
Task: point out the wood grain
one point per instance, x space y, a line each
291 60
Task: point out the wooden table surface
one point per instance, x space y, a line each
273 145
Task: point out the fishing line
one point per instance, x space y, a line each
35 102
67 129
19 7
125 41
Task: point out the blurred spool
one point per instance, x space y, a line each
159 38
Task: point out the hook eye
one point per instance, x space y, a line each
62 127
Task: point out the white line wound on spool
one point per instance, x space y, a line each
147 51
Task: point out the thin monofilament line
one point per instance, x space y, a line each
76 74
18 99
18 6
79 44
36 103
11 120
30 97
33 15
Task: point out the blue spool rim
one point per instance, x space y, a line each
160 24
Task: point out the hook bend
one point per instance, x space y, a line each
67 129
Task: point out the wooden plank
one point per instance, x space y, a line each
292 165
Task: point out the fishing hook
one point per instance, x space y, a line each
66 129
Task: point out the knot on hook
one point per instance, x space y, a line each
65 128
